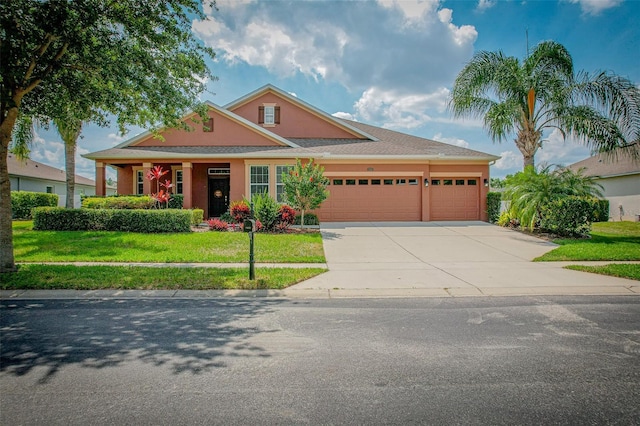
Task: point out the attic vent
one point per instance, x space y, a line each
218 172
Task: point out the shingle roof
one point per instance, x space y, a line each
609 165
33 169
389 144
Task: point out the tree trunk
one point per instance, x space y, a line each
7 263
528 142
70 169
69 130
302 219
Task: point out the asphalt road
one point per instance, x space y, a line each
536 360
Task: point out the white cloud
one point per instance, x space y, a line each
397 109
359 45
452 141
595 7
556 150
509 160
412 10
485 4
115 138
345 115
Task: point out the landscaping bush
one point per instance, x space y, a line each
286 215
144 221
309 219
493 206
266 210
176 202
601 211
23 201
240 211
197 216
218 225
120 202
226 217
569 216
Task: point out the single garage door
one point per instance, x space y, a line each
372 199
455 198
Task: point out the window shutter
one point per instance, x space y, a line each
277 115
260 115
208 126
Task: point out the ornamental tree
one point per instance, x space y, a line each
305 187
135 60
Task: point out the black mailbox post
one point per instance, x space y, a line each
249 225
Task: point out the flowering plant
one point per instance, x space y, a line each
161 196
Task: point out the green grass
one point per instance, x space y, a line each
44 277
618 241
197 247
624 270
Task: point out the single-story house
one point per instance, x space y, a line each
33 176
619 176
244 147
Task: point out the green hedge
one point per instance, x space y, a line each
197 216
493 206
570 216
144 221
121 202
23 201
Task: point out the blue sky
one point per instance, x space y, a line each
392 63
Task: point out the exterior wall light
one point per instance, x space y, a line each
486 182
426 182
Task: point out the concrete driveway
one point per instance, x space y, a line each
446 259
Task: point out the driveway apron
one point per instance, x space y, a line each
446 259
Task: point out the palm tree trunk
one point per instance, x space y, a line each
528 142
69 131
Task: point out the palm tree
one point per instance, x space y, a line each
543 93
69 131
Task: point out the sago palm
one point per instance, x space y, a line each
542 93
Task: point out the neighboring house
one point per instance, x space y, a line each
244 148
37 177
619 176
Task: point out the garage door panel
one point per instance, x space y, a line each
370 202
458 200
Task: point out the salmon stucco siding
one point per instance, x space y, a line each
240 149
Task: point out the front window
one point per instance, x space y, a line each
269 115
139 182
280 170
178 182
259 180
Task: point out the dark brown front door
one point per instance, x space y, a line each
218 196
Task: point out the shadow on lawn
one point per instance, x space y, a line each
184 335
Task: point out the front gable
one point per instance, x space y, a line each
222 129
295 118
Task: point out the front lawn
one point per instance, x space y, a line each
197 247
46 277
609 241
617 241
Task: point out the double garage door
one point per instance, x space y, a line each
399 199
372 199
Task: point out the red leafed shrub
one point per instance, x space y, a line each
286 215
218 225
239 210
